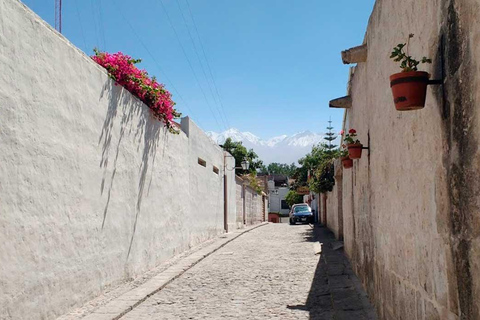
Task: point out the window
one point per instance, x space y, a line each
215 169
301 208
285 205
202 162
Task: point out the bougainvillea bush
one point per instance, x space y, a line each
121 68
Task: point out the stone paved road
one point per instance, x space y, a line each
271 272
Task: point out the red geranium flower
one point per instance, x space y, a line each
351 131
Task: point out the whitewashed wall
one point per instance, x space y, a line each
93 191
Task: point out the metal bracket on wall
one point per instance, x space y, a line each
368 148
435 82
442 72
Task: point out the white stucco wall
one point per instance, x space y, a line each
232 195
276 200
239 201
93 190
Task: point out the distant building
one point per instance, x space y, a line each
278 188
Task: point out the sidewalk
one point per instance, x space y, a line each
119 306
336 292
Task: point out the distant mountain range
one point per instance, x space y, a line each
282 149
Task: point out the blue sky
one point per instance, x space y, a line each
275 63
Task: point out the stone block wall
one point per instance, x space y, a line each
251 205
410 205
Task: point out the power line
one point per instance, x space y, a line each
189 62
201 64
101 23
206 60
81 25
95 23
156 62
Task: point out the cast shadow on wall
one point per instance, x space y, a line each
127 116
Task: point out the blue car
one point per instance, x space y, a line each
301 213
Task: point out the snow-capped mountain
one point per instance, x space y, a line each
283 149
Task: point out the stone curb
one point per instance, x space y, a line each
120 306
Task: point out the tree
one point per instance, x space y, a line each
308 163
329 136
279 168
323 176
323 179
293 197
319 163
239 152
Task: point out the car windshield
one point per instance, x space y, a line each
301 209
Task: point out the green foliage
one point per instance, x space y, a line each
309 162
254 183
239 152
407 62
351 137
323 178
293 197
320 164
279 168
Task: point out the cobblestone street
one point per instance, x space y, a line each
270 272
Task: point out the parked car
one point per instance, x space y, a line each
301 212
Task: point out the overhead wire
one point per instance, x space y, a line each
157 64
101 23
95 24
81 26
201 64
206 60
190 63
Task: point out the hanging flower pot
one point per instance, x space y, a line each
347 162
353 144
355 150
409 89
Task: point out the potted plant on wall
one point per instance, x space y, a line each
346 161
353 144
409 87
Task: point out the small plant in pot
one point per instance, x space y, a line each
409 87
353 144
346 161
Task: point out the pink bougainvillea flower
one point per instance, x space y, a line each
342 132
121 68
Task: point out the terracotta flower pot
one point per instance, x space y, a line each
355 150
409 89
347 162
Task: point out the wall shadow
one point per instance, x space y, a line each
334 292
129 117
